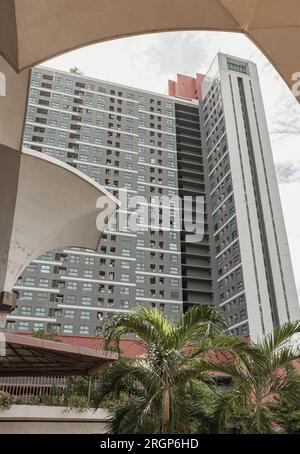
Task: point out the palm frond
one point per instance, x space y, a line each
288 385
279 337
145 323
198 322
228 343
135 416
125 376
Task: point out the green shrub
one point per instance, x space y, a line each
6 400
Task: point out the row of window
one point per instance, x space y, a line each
36 326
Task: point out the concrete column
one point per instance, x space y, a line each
2 320
13 105
8 302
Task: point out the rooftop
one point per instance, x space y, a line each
29 356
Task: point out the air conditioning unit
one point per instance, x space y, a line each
8 301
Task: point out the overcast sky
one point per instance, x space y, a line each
148 61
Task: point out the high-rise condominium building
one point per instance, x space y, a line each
208 139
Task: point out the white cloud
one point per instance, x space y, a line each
288 172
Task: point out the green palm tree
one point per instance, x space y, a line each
257 385
287 415
167 390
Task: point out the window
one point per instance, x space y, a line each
32 267
125 264
29 282
243 314
42 296
45 268
242 299
84 330
68 329
174 282
240 285
72 285
23 326
38 326
85 315
25 310
237 67
87 287
40 311
244 329
86 300
73 272
74 259
10 324
70 299
27 296
89 261
69 313
124 304
44 283
125 277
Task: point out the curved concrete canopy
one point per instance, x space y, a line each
55 207
32 31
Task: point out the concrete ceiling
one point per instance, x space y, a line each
32 31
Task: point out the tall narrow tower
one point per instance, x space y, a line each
252 270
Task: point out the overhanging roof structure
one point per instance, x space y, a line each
29 356
32 31
56 206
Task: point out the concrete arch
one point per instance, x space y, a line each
32 31
47 216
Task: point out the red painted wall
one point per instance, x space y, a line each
187 87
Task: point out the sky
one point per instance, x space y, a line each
148 61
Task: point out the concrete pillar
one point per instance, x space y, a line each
2 320
8 302
13 105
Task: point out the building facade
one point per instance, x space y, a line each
150 146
